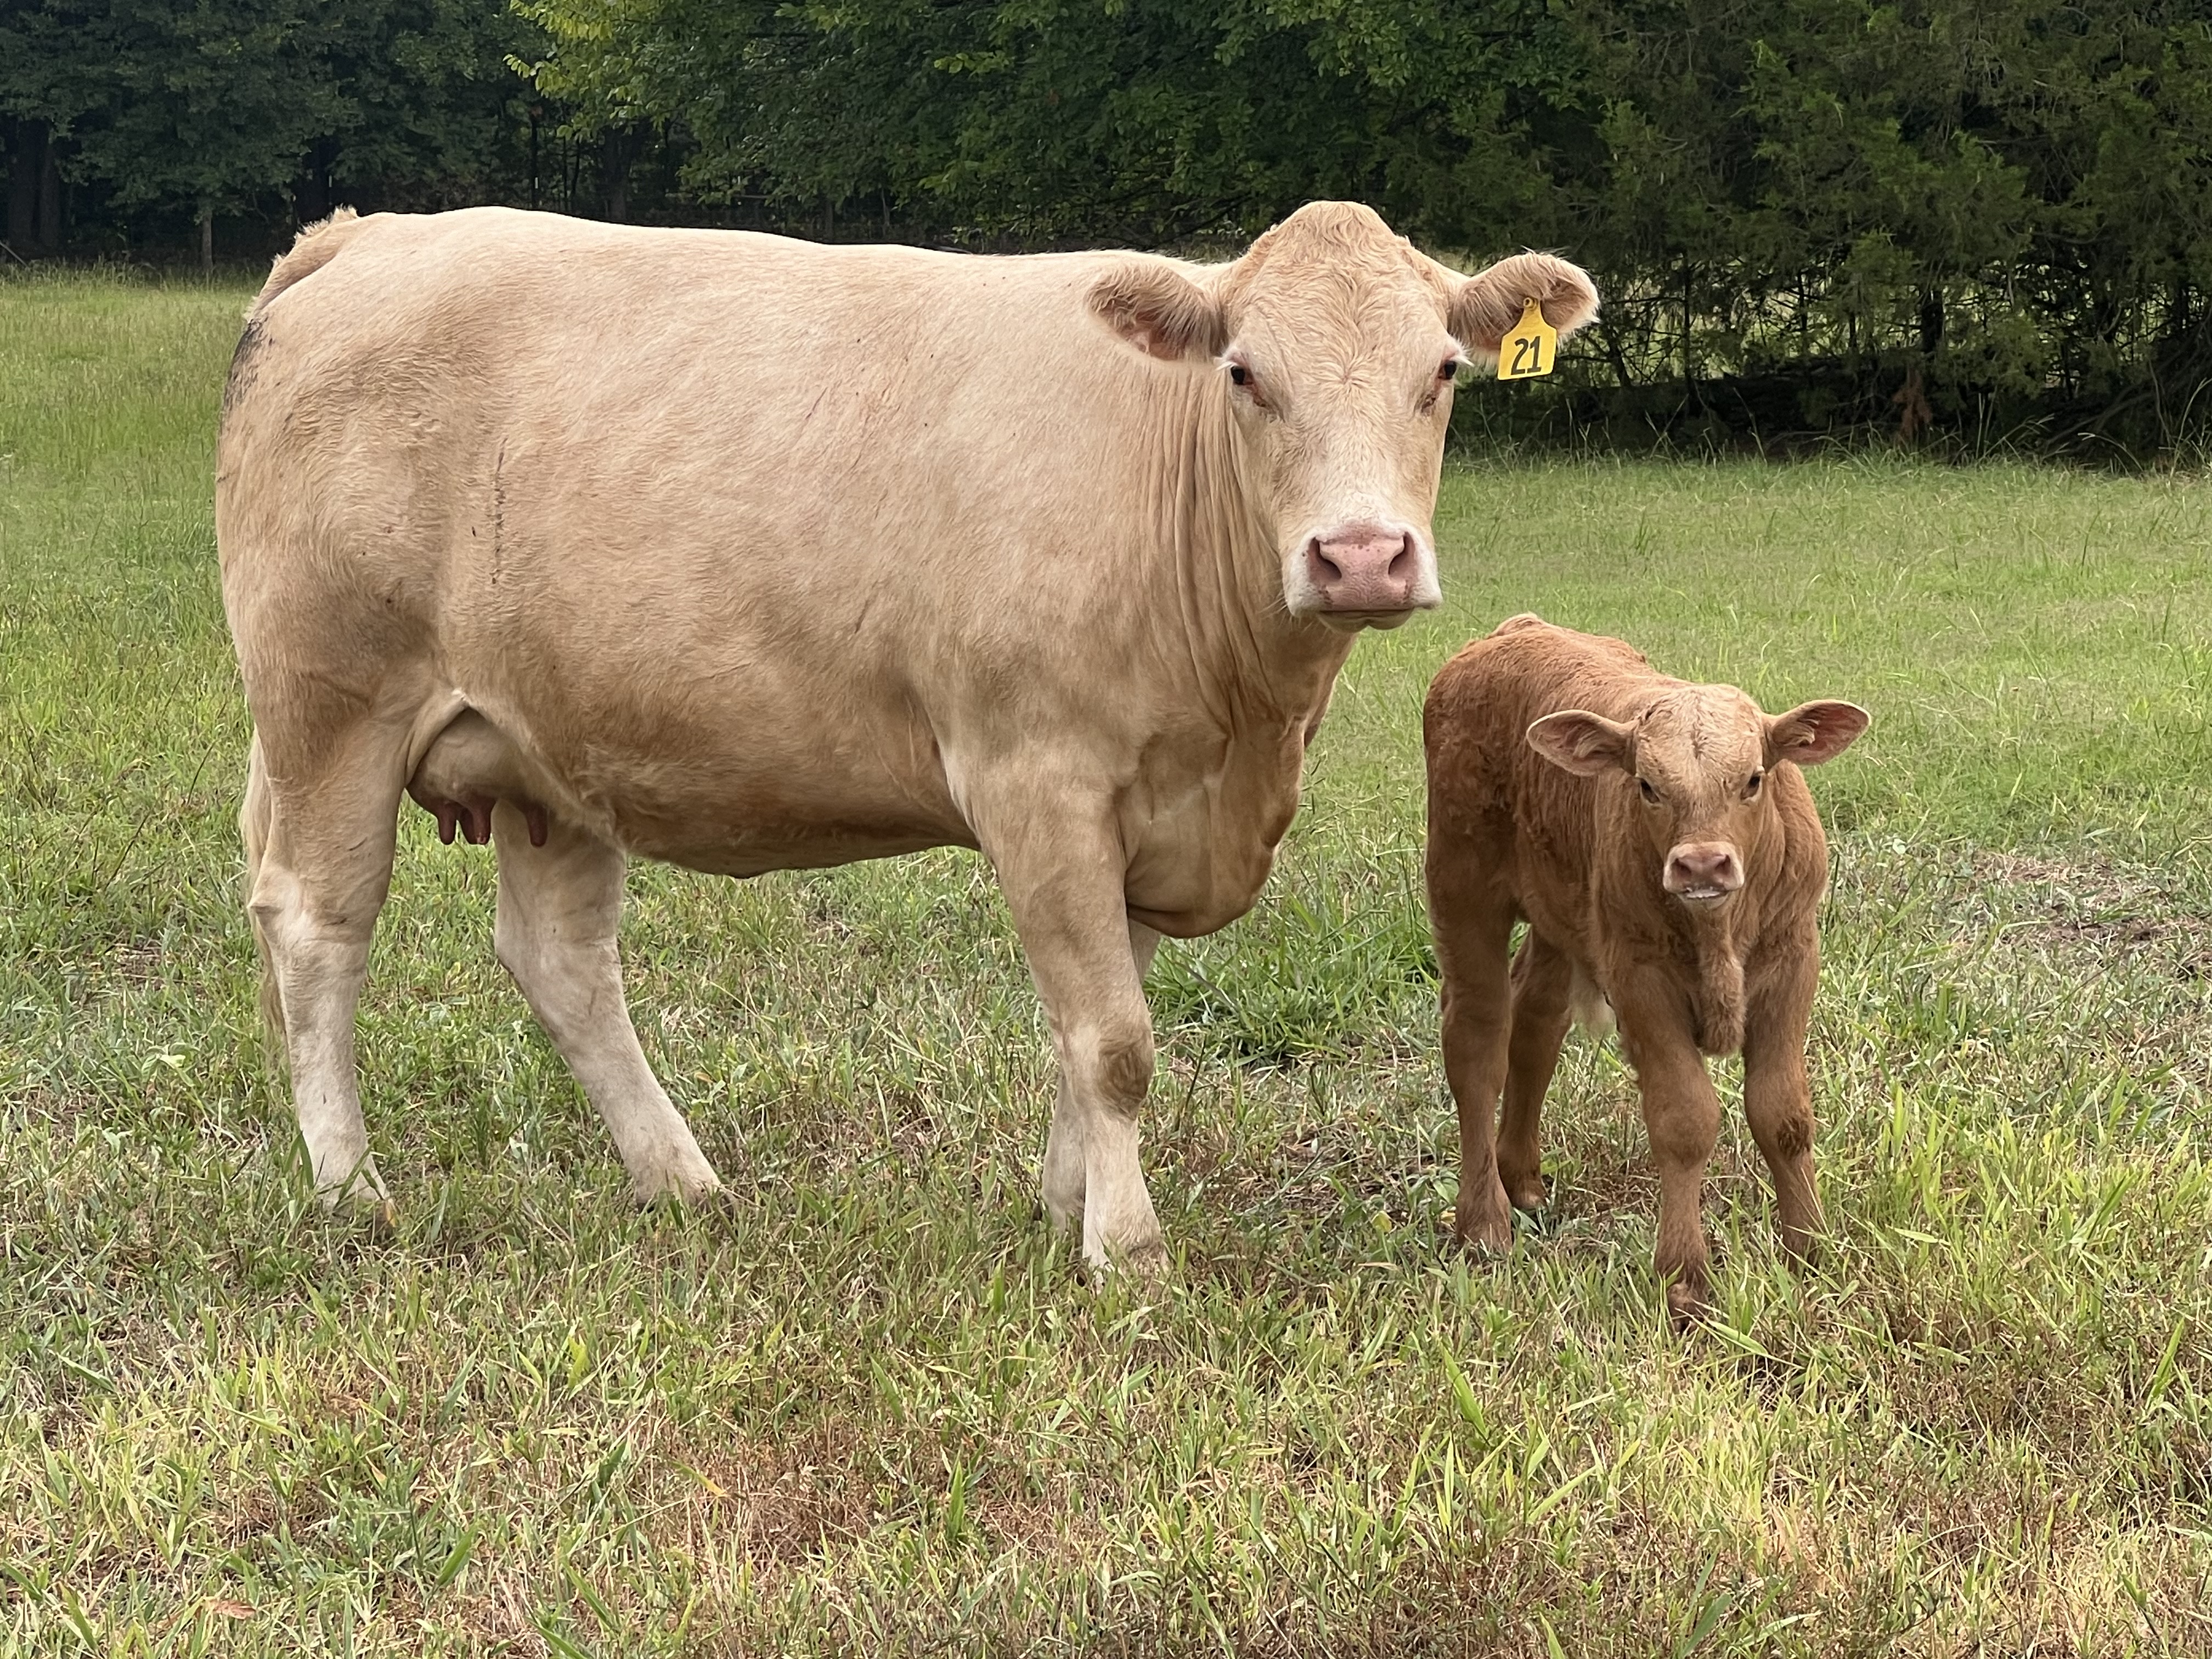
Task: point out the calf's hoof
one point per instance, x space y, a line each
1487 1223
1528 1193
1801 1246
1687 1303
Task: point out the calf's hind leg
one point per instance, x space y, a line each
560 905
1474 924
1541 978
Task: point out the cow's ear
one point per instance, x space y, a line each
1486 306
1814 732
1575 741
1159 310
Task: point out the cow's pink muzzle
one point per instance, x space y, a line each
1367 567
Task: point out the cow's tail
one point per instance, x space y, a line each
1589 1006
310 250
254 817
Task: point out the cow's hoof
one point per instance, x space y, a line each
1063 1215
1801 1245
1141 1263
689 1182
361 1191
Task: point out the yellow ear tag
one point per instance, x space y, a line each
1531 349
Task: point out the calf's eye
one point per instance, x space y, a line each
1451 369
1751 788
1650 795
1239 375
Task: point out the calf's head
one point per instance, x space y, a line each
1330 348
1698 759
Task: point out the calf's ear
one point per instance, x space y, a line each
1487 304
1159 310
1580 742
1814 732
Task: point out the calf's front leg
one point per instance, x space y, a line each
1064 884
1777 1101
1682 1116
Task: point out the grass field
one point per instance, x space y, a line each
867 1407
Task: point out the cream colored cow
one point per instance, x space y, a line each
749 554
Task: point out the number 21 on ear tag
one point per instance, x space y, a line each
1530 348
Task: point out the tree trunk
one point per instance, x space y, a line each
27 170
207 239
616 152
1931 321
50 202
310 192
1689 323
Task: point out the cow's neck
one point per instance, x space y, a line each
1265 666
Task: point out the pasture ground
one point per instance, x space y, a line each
868 1407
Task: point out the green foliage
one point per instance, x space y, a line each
1963 212
1990 219
217 106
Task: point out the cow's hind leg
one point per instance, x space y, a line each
560 904
318 851
1543 975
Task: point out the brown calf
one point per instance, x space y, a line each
1659 840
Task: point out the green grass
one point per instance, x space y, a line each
869 1408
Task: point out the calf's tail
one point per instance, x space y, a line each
254 817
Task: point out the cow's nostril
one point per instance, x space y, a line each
1401 565
1325 569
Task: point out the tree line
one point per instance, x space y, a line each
1971 218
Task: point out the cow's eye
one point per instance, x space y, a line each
1451 369
1650 795
1751 787
1239 375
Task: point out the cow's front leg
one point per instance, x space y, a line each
1064 884
1065 1174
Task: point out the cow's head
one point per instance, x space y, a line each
1334 345
1698 759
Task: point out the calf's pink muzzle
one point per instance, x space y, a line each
1704 872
